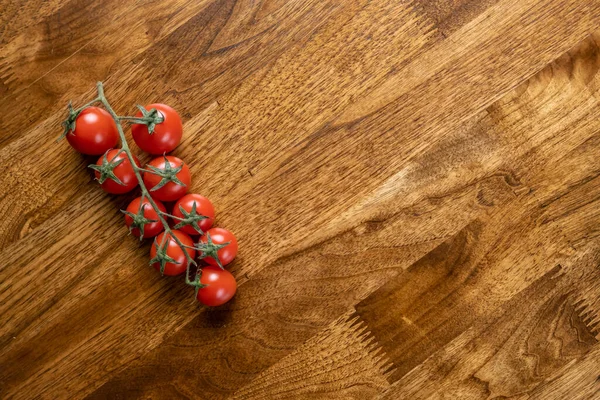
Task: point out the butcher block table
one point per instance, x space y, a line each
415 187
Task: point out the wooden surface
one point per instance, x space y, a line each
415 187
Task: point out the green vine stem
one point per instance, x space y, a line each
148 120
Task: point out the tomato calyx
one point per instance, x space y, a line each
210 249
106 170
168 174
196 284
69 123
192 218
150 118
161 256
139 220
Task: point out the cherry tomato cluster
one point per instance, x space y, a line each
157 129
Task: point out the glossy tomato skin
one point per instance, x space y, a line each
171 191
203 207
151 229
220 286
220 236
166 135
175 252
123 171
95 132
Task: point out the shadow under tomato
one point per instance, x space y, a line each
217 317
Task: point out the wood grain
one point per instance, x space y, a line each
415 188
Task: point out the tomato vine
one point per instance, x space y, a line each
151 118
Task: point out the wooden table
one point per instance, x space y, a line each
415 188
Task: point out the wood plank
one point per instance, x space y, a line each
536 335
223 69
578 381
449 16
71 47
258 330
64 310
18 15
360 148
419 314
338 363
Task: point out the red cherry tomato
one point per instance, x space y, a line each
107 170
214 246
166 135
164 176
220 286
172 250
148 213
95 132
184 209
